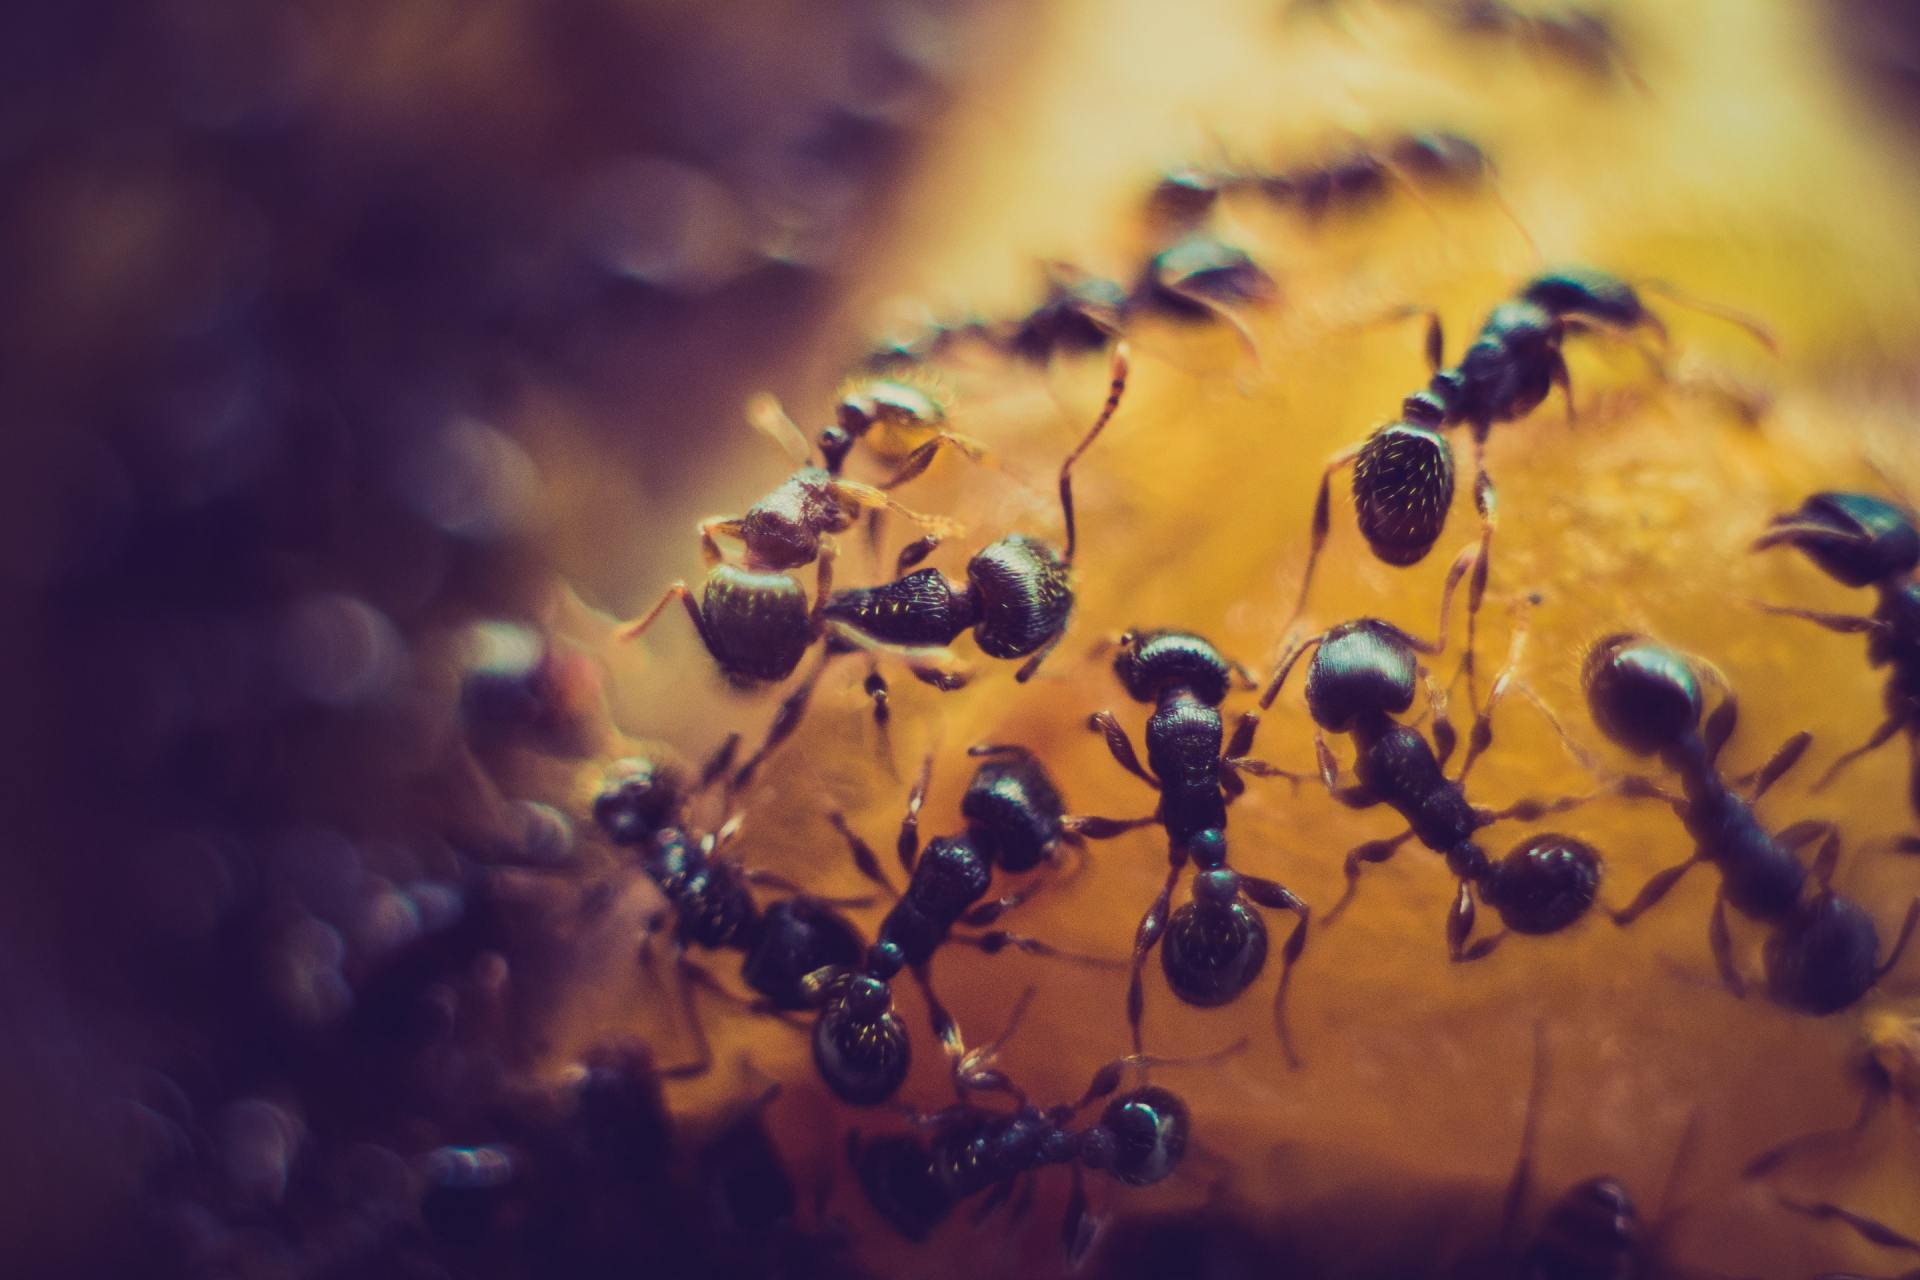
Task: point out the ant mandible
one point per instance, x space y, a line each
1822 954
1863 541
1403 477
1215 944
1014 820
1364 673
1016 600
642 804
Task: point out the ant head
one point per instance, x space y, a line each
1141 1137
1824 958
1215 946
1013 811
1593 1230
1024 595
1402 489
637 797
1643 695
1363 668
1586 292
1544 884
900 1183
1150 663
1855 538
863 1060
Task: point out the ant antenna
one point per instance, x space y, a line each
1529 1130
765 415
1115 389
1738 319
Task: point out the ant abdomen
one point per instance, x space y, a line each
860 1046
1363 668
1021 595
1149 1136
1402 489
1824 957
1157 661
1544 884
796 937
901 1184
1012 805
921 608
758 622
1213 951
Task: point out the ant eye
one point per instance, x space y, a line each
1643 695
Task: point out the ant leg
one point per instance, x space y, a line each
1654 890
863 856
1031 665
945 1029
1722 942
1519 1184
1871 1103
1867 1229
1738 319
920 459
1116 387
976 1073
1145 938
1481 736
718 763
1801 834
1121 746
1359 856
785 721
1460 928
1845 623
1079 1228
881 696
1092 828
1434 344
1317 539
994 941
866 497
1280 898
1272 692
634 630
722 526
1484 501
907 845
1455 572
938 665
1881 736
1900 942
1233 766
761 878
913 553
1564 381
1355 797
1777 766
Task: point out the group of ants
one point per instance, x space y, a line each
801 955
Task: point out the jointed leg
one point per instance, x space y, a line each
1484 501
1280 898
1761 780
1481 736
1801 834
1722 943
907 845
1881 736
1460 927
634 630
1900 942
1031 665
1359 856
723 526
945 1029
994 941
1121 746
1873 1232
785 721
1871 1104
863 856
1116 387
1845 623
1145 938
1317 539
1654 890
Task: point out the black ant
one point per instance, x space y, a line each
1350 180
1016 600
1363 674
915 1184
1403 476
1594 1231
642 805
1863 541
1014 820
1215 944
1199 276
1822 954
1081 313
754 618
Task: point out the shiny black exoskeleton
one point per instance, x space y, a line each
1015 820
1822 949
1216 944
915 1184
1017 597
1403 474
641 806
1364 674
1345 182
1863 541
